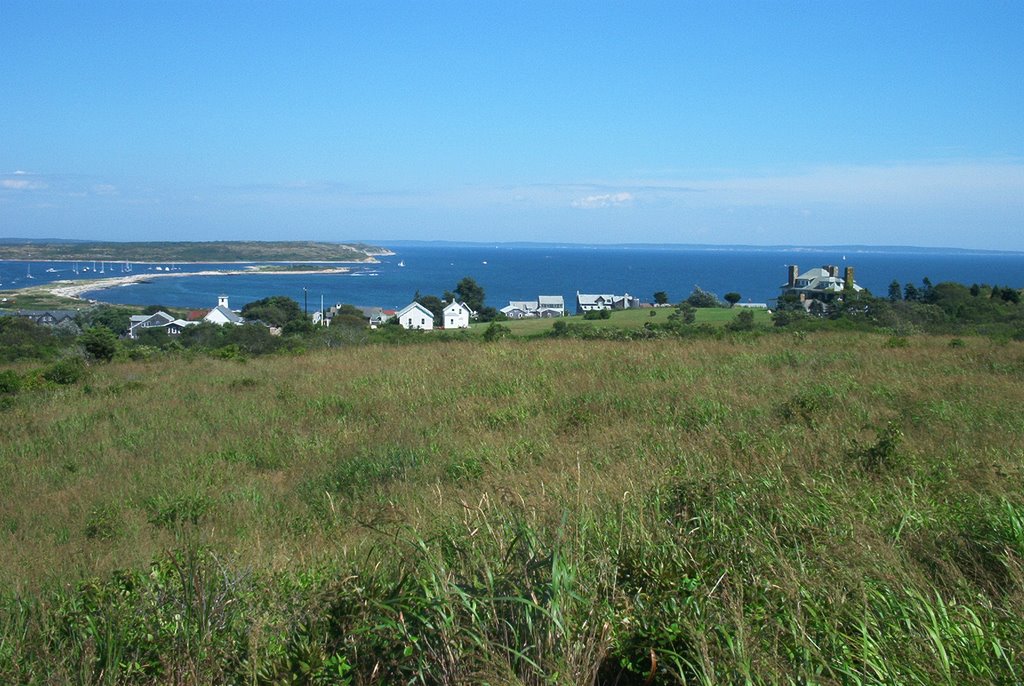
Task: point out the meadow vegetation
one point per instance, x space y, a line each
827 507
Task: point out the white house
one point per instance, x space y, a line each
457 315
589 302
416 316
222 314
819 285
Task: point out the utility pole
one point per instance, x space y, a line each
305 302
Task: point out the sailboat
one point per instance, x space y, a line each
28 267
401 263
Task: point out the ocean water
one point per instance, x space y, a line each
515 272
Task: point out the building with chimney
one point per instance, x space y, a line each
821 284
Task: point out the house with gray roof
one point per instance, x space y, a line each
589 302
544 306
222 314
821 284
47 317
171 325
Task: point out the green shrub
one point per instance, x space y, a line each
10 382
496 331
68 371
597 314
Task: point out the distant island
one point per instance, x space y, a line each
194 251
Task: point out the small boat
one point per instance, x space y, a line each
401 263
51 270
28 274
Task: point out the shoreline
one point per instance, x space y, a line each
75 290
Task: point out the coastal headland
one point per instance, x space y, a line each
190 251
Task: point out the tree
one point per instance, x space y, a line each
701 298
895 291
99 342
113 317
686 312
435 305
471 293
910 293
277 310
660 298
927 291
732 298
744 321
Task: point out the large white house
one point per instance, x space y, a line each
416 316
457 315
222 314
586 302
821 283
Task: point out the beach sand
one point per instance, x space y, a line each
75 289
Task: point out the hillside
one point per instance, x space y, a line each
212 251
825 508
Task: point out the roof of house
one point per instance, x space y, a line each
415 306
56 314
227 314
140 318
593 298
820 280
553 301
455 305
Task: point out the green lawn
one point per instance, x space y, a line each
627 319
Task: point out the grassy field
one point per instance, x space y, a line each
626 319
823 508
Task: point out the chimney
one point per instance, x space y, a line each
222 301
793 270
848 278
833 271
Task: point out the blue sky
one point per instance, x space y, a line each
680 122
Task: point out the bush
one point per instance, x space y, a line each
99 342
744 321
597 314
496 331
66 372
10 382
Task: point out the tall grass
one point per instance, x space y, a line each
806 509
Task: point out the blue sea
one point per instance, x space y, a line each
521 272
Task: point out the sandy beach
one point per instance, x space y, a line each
75 289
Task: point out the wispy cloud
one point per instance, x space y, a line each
592 202
22 184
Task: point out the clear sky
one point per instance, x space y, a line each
825 122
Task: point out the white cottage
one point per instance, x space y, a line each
222 314
416 316
457 315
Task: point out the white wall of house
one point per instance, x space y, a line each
416 316
456 316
